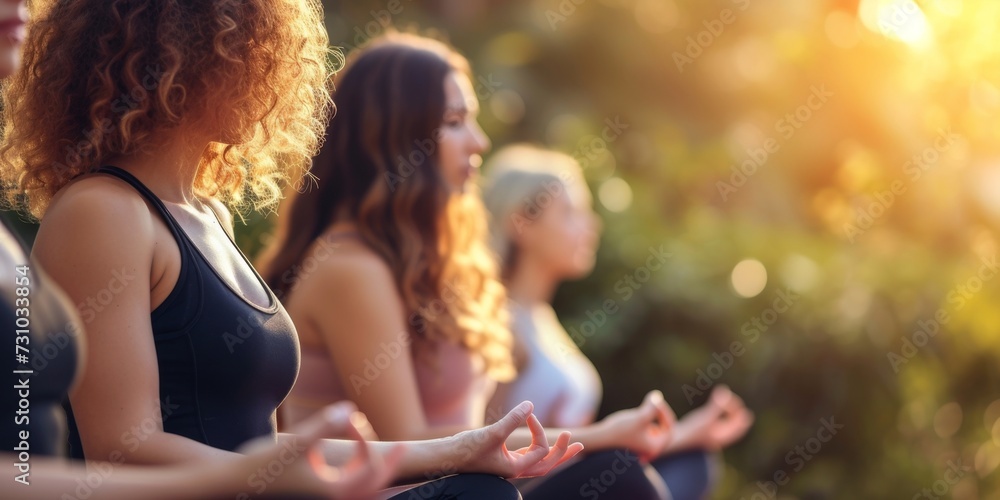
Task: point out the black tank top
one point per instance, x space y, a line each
36 380
225 364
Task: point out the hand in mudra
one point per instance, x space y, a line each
303 467
720 422
486 448
645 430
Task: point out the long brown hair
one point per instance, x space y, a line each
101 78
379 169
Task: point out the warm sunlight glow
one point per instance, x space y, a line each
901 20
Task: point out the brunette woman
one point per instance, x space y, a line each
386 269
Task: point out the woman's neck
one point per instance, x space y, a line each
531 284
342 225
169 168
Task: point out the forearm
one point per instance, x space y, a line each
422 459
427 433
161 448
54 478
683 439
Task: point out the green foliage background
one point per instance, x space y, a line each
555 71
575 65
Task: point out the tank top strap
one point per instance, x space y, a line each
154 200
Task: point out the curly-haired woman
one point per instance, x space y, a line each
129 128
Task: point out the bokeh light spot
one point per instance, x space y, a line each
749 278
947 420
615 194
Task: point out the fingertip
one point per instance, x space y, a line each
338 414
563 440
359 419
534 422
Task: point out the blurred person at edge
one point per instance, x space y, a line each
97 224
544 230
387 270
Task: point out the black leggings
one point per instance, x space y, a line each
617 474
603 475
462 487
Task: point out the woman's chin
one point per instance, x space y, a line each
9 60
581 269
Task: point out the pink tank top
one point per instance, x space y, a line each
556 377
453 387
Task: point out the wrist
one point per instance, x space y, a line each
595 437
682 437
230 478
459 453
427 459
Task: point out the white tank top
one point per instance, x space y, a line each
556 376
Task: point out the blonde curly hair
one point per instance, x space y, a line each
102 78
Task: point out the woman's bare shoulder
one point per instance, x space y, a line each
95 211
345 264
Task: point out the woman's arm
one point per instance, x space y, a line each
97 241
244 477
353 302
647 429
480 450
356 306
53 478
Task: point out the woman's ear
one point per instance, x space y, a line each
515 227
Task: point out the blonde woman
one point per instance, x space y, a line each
545 232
